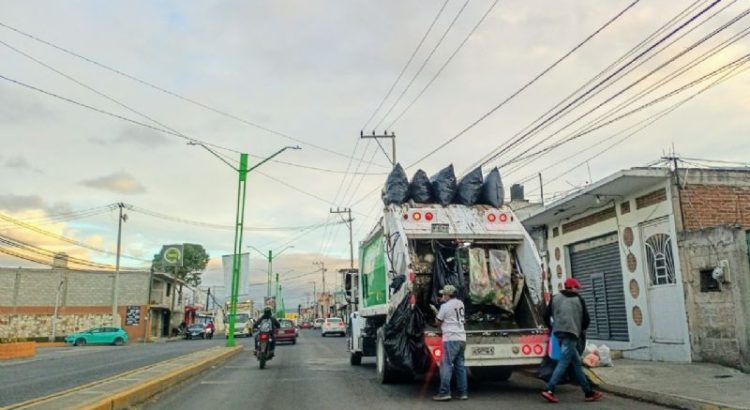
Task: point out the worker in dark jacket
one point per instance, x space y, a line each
569 321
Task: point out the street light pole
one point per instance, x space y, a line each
120 219
270 259
243 170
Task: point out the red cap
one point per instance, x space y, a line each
572 283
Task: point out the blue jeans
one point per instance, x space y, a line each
569 355
453 362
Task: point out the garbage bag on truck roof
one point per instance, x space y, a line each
403 333
469 188
492 190
396 186
420 188
444 185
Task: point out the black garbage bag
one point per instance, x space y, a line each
492 190
444 185
404 341
396 186
397 282
469 188
445 271
420 188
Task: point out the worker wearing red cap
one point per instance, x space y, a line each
571 319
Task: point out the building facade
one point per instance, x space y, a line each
639 243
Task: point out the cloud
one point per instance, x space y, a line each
21 108
136 136
119 182
15 203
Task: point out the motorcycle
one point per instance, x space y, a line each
263 344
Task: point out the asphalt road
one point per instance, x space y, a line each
315 374
57 369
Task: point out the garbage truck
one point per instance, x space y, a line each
414 250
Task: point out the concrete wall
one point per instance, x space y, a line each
719 321
38 287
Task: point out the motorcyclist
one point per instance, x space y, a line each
268 315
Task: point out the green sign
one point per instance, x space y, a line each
172 255
373 272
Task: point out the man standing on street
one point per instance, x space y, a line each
450 318
571 319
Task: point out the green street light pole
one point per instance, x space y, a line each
243 170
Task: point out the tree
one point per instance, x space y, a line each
194 261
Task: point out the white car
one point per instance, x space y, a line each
318 323
333 325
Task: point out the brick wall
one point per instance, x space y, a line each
713 197
719 322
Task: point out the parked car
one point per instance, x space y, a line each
318 323
98 335
287 332
333 325
306 325
195 331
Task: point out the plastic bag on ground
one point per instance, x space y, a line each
591 360
590 348
605 358
396 187
444 185
492 190
403 337
500 273
469 188
420 188
480 288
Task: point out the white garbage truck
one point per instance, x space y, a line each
413 251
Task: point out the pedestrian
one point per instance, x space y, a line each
450 318
571 319
210 329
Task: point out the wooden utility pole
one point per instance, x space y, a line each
348 222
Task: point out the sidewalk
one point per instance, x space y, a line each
687 386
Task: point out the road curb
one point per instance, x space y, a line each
138 394
662 399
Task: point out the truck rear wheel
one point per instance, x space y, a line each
386 374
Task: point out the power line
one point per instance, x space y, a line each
64 238
516 140
440 71
524 87
674 74
403 70
424 63
171 93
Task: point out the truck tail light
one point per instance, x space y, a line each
491 217
416 216
526 350
503 217
538 350
428 216
437 354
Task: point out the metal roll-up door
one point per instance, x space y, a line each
596 264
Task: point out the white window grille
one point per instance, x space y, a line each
660 259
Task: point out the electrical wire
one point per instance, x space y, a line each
66 239
171 93
424 63
442 68
403 70
523 88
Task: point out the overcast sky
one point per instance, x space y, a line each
316 71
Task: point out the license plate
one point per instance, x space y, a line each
483 351
439 228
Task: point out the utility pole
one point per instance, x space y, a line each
60 284
377 138
348 222
323 272
674 158
541 187
270 258
120 220
270 269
